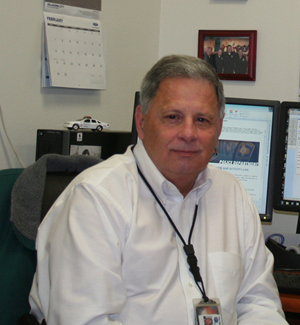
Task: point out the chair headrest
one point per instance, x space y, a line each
28 190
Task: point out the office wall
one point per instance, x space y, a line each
278 49
131 39
278 39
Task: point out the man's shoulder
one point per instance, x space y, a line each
222 176
115 169
225 182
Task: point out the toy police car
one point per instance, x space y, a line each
87 122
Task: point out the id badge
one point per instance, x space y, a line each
207 313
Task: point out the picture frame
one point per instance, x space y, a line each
231 52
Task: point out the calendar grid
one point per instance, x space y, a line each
74 53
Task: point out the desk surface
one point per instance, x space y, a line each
290 303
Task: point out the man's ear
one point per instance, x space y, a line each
219 131
221 126
139 121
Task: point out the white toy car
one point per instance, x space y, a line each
87 122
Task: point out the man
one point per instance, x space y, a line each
110 250
210 57
241 63
229 60
219 61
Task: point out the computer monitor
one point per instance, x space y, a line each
134 135
247 148
287 170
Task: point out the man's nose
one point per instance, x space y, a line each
188 130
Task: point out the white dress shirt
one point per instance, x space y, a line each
107 253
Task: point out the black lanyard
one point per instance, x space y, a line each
188 248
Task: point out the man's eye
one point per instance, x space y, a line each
172 117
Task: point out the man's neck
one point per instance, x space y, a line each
184 184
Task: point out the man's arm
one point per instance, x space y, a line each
258 300
79 260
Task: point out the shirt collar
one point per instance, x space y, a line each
163 188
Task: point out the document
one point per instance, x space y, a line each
72 51
244 149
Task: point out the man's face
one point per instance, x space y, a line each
209 50
229 49
181 128
219 52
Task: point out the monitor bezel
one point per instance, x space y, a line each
268 215
280 160
134 133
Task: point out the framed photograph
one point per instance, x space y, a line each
231 52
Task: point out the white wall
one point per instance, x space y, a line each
277 71
277 26
131 39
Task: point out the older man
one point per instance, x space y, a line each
210 57
113 248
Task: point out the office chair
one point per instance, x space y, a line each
25 197
17 263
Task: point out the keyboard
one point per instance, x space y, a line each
287 282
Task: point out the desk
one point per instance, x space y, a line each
291 307
290 303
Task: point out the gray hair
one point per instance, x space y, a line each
179 66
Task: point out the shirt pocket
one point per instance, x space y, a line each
227 269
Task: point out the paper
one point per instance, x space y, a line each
72 48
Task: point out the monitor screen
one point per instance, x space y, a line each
247 148
287 170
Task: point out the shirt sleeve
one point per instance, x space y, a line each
79 260
258 300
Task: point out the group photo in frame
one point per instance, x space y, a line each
232 53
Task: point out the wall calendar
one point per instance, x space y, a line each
72 48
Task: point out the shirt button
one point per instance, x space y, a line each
191 284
